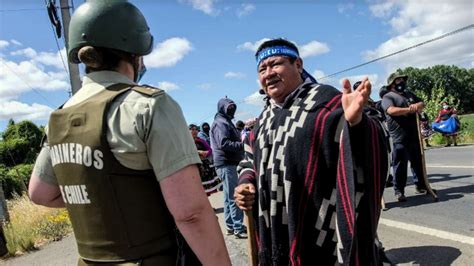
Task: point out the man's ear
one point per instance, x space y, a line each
299 64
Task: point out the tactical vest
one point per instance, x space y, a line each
117 213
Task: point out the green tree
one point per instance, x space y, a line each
20 144
19 147
457 82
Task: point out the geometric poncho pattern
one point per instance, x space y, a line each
319 182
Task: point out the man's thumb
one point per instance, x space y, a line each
251 188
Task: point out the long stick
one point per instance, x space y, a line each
251 240
423 163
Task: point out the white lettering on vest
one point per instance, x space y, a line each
75 194
65 148
72 159
78 154
87 159
98 163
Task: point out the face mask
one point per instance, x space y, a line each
400 87
445 107
231 111
141 71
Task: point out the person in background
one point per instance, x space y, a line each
425 128
228 150
119 155
204 132
447 116
249 124
210 181
401 107
313 163
240 125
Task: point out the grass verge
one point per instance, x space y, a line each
32 225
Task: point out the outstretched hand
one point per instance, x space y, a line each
353 102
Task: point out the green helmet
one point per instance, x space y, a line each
114 24
394 76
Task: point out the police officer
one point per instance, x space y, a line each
119 156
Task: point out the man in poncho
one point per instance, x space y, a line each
314 168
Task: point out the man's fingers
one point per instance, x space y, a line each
346 86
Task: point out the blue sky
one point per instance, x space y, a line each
204 49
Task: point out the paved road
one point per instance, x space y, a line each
419 231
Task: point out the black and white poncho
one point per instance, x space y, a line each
319 181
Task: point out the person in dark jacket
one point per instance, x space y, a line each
228 150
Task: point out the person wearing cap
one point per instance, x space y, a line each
401 107
119 156
313 163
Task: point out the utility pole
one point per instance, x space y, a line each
73 68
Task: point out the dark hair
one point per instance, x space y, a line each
191 126
240 124
98 58
278 42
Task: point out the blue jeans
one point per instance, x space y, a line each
233 216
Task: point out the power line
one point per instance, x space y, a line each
401 51
471 26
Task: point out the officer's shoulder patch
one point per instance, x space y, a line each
148 90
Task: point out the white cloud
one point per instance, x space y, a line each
168 86
206 6
235 75
3 44
342 8
28 52
255 99
44 58
415 21
245 10
313 48
381 9
252 46
21 111
15 42
18 78
373 78
318 74
168 53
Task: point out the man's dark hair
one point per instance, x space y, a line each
278 42
191 126
240 124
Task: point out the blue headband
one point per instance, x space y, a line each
285 51
276 50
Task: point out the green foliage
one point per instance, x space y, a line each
20 144
19 147
433 102
467 128
457 82
15 179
